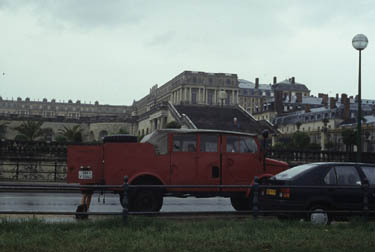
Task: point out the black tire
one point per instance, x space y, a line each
81 209
241 203
146 201
319 215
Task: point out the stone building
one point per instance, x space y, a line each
254 96
54 109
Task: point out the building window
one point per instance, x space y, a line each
194 94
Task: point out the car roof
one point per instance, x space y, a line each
341 163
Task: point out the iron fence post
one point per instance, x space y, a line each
125 201
55 171
365 190
17 170
255 189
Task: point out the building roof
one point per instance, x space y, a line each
220 118
251 85
287 85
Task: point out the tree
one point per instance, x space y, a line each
3 129
173 125
72 135
300 140
123 131
30 130
349 138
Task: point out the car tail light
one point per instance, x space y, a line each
284 193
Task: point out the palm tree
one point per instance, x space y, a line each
30 130
73 134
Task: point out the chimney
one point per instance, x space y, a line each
332 103
257 83
299 97
345 100
325 100
274 80
337 97
293 80
279 102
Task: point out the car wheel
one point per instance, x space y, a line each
240 203
319 215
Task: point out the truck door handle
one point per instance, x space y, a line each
215 172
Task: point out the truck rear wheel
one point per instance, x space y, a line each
144 201
147 201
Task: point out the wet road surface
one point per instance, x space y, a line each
32 201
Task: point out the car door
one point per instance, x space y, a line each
347 198
369 172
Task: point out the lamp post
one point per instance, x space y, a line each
359 42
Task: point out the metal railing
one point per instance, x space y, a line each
125 188
37 170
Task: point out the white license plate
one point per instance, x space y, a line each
85 175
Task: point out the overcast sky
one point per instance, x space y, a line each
114 51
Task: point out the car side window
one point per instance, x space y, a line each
208 143
369 171
184 143
330 178
347 175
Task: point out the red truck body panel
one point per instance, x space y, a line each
176 157
85 157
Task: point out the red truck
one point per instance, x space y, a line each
173 157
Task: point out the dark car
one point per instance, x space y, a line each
341 189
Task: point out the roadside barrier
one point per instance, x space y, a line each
125 188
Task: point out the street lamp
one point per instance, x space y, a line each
359 42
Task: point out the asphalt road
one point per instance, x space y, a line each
32 201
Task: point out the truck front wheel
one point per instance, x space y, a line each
240 203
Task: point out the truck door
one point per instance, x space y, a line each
240 160
184 159
209 165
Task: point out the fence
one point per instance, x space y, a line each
33 169
256 207
298 156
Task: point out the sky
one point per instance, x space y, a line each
114 51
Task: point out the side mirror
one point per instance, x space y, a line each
265 134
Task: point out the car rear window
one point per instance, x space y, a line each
293 172
369 171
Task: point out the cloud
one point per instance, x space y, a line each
79 13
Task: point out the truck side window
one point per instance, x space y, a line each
184 143
208 143
232 143
241 144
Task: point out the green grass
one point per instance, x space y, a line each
151 234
